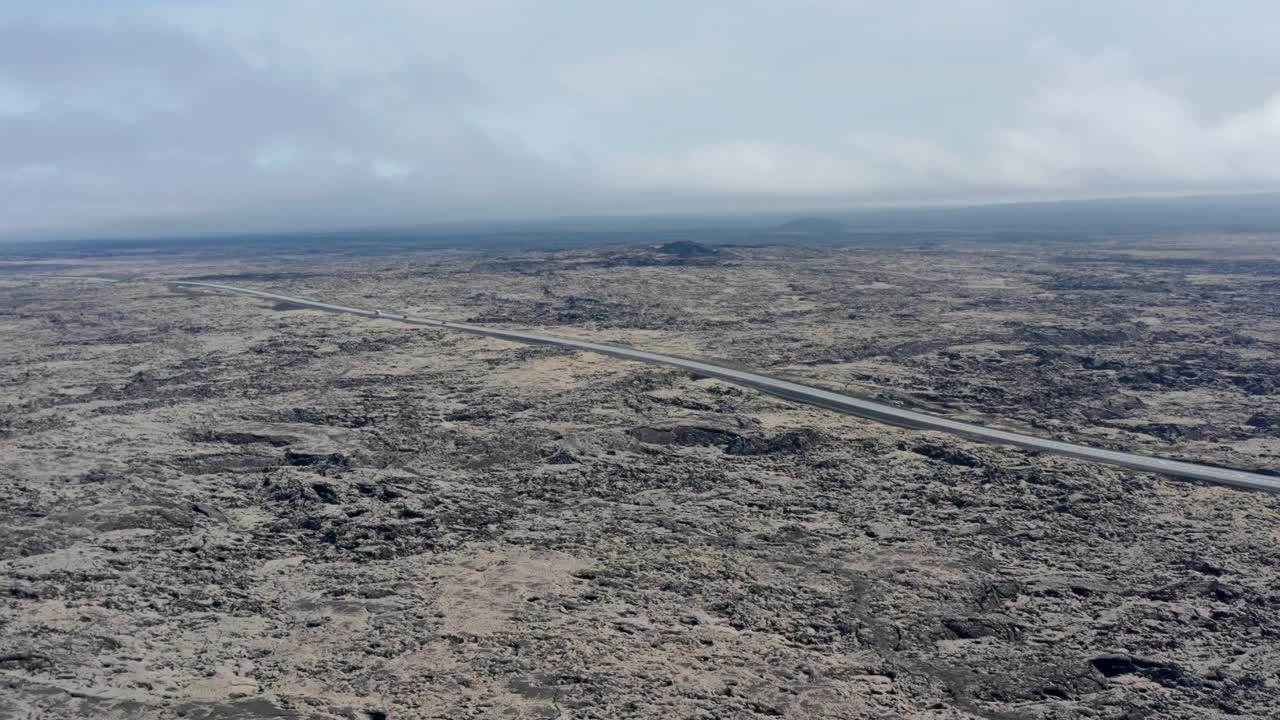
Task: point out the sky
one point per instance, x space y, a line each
195 115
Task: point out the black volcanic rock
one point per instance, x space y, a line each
1262 420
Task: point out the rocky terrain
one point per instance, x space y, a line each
217 508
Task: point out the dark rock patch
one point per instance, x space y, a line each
949 455
1262 421
326 493
1166 674
732 443
1090 363
969 628
1171 432
315 417
683 435
239 438
789 441
561 457
301 459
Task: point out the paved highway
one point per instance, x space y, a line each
817 396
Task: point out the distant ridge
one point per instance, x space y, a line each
687 248
1052 220
813 226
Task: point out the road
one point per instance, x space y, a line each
816 396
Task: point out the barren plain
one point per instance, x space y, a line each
215 508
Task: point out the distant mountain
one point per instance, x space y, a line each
685 248
813 226
1049 221
1257 212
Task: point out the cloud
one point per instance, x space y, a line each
1094 125
860 165
196 115
1101 124
629 79
145 121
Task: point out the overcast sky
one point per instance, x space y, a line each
236 114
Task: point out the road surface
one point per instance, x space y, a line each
816 396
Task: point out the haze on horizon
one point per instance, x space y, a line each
194 116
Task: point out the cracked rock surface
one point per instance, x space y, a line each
218 508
